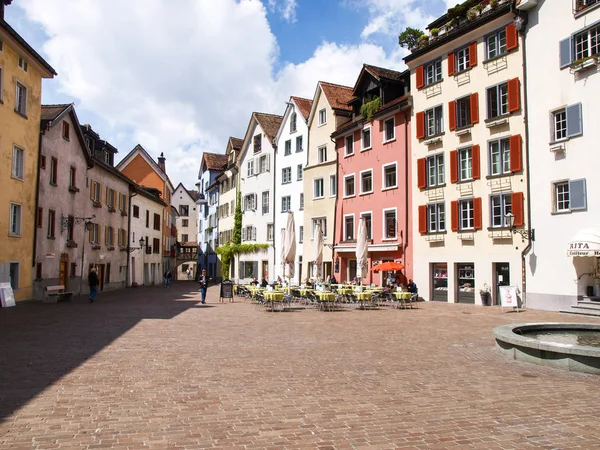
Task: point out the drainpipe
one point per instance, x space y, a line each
522 32
406 185
127 277
337 196
37 196
274 205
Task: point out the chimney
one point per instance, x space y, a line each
161 162
2 3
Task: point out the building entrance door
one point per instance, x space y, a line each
62 274
501 278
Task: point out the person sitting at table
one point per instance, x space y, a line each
308 283
332 280
354 282
264 282
412 287
279 282
254 282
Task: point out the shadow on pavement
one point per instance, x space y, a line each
40 343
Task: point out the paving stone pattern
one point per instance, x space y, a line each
153 368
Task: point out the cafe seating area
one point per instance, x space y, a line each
326 297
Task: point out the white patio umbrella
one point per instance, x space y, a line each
289 247
362 250
318 249
282 254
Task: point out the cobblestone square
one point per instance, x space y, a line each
153 368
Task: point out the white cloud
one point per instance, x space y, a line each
181 77
287 9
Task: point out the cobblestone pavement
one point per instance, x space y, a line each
153 368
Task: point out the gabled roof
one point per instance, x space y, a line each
303 105
144 192
139 150
234 144
46 69
53 114
191 193
337 96
380 74
214 161
269 123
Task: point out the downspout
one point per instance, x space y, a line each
273 215
337 196
405 239
37 198
127 277
526 250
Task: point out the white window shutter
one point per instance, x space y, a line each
577 194
574 120
565 48
268 164
243 234
253 233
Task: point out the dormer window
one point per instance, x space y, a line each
107 158
257 143
293 123
90 144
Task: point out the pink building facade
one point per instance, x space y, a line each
374 176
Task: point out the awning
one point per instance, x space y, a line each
585 243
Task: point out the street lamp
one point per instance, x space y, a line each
525 234
88 226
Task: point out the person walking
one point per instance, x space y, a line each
167 278
203 280
93 283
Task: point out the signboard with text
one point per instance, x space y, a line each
508 297
7 297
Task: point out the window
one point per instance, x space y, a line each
390 179
349 186
14 275
184 210
51 219
249 202
465 164
40 217
122 237
587 43
462 59
250 167
349 228
185 238
389 221
567 123
499 156
293 119
500 206
136 211
323 222
301 201
434 119
300 234
570 195
496 44
299 144
18 162
147 219
109 238
53 171
433 72
73 270
286 203
389 130
21 99
332 186
435 170
436 218
107 156
322 154
322 116
286 175
95 234
368 225
156 222
366 182
497 101
263 164
72 178
318 189
23 64
123 203
70 228
65 130
270 231
349 145
265 202
249 233
288 147
110 198
257 143
299 172
463 112
366 138
156 245
467 220
15 220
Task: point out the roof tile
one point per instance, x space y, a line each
338 96
269 123
304 106
214 161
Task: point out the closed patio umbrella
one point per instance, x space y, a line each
362 250
282 254
318 249
289 247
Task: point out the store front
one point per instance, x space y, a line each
584 247
465 283
439 282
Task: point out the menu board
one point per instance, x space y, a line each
6 295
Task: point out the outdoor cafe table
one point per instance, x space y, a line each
365 298
305 291
345 290
326 299
273 297
403 296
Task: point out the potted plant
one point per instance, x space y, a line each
472 14
485 295
434 32
494 3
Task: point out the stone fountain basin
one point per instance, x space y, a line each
576 358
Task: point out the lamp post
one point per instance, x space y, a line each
525 234
88 226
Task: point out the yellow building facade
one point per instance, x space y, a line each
21 73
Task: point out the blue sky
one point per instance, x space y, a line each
181 77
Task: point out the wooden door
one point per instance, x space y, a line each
63 279
100 277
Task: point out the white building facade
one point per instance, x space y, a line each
186 223
563 123
468 136
290 160
256 163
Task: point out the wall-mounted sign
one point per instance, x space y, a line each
50 255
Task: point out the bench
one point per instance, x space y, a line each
56 293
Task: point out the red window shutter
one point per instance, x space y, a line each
421 173
517 208
512 39
472 54
452 114
420 125
453 166
454 214
474 100
476 162
422 219
451 63
516 156
420 77
514 95
477 213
